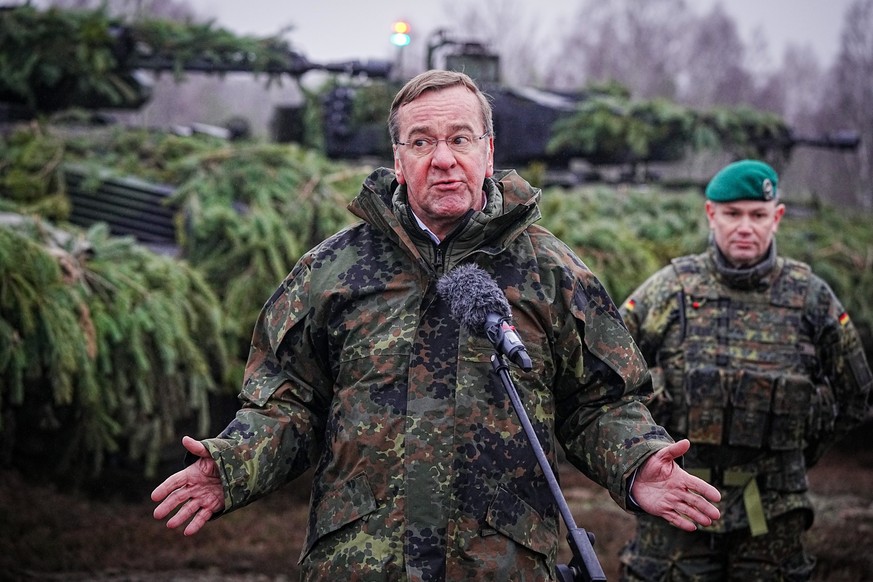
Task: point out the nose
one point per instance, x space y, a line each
442 156
745 224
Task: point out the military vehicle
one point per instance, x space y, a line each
571 136
536 126
553 129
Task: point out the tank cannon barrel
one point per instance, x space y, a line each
784 141
293 64
371 68
837 140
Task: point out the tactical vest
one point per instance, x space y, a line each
743 384
748 366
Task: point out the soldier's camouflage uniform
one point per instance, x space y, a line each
762 369
422 470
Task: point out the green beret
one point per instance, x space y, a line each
744 180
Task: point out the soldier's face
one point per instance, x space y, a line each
444 184
743 230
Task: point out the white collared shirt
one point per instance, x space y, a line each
430 233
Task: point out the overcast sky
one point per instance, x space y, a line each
336 30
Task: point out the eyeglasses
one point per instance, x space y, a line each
460 143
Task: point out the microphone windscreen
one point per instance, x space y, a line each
472 294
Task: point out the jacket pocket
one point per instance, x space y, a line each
345 504
513 517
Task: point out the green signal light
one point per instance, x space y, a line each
400 36
400 39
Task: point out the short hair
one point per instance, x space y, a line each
436 80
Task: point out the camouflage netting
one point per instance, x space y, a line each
104 346
245 211
250 212
153 335
87 58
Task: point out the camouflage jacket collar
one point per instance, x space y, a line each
757 277
511 207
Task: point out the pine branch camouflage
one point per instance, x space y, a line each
103 345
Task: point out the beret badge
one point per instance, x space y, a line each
767 189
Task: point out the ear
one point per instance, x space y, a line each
709 207
489 166
777 217
398 168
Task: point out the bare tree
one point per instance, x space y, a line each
713 71
854 87
498 24
811 171
636 43
804 81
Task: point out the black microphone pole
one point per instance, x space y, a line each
584 566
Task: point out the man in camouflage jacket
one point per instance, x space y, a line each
357 368
756 362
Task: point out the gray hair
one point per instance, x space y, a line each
436 80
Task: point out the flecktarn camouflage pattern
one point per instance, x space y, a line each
762 370
422 470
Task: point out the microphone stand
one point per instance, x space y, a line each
584 566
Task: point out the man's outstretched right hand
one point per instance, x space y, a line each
196 491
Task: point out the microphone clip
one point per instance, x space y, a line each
506 341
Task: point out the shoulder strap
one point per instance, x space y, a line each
792 285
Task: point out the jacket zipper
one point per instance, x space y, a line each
439 259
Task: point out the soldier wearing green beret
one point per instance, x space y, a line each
755 361
359 370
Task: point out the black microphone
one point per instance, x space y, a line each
480 305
